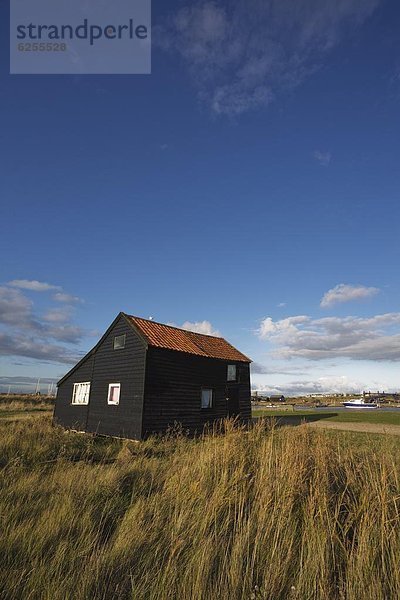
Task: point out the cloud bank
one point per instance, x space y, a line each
24 333
321 385
375 338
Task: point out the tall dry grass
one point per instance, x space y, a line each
265 514
30 403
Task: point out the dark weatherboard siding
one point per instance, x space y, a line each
73 417
125 366
173 390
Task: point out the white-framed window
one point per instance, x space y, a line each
231 375
80 394
114 390
206 398
119 342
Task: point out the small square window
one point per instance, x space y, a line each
206 398
80 394
119 341
231 373
114 390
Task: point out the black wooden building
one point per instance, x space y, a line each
143 377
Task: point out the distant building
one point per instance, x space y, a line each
276 398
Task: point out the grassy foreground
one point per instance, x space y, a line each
266 514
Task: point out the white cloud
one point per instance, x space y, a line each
287 326
242 54
281 304
375 338
14 306
324 158
204 327
33 285
58 315
346 293
71 334
66 298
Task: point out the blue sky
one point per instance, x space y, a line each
254 173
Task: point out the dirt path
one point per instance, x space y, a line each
359 427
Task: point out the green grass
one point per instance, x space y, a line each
270 514
348 416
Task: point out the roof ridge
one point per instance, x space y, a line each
218 337
170 337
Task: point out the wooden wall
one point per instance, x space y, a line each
73 417
173 390
125 366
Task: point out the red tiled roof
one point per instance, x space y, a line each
172 338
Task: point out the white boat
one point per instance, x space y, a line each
360 403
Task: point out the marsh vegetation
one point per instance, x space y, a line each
267 513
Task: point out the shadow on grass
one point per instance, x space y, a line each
283 421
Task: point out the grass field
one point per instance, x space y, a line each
272 514
348 416
22 410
